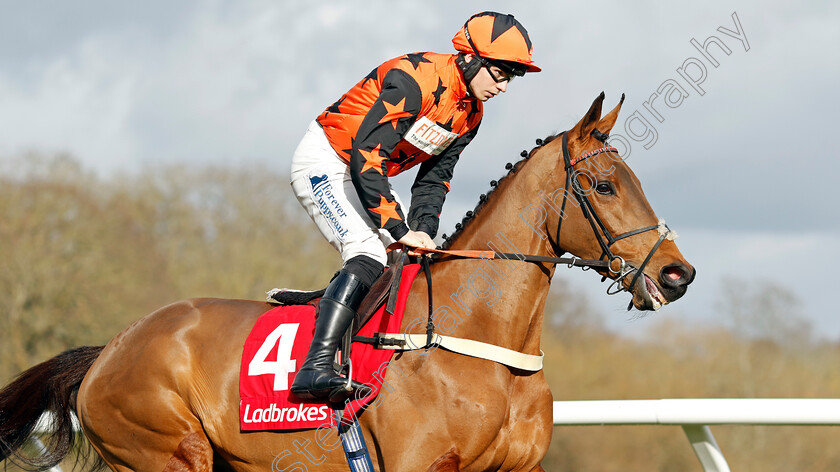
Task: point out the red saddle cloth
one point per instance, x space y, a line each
277 347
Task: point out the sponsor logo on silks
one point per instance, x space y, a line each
322 195
272 414
317 179
428 137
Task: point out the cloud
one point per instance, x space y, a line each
78 103
124 85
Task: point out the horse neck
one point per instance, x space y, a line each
500 299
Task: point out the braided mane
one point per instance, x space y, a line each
494 184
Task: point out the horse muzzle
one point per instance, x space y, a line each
652 293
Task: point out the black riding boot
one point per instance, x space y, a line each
317 378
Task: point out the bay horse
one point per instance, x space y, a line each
163 394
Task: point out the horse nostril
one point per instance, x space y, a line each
674 276
673 273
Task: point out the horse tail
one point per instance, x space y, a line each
49 387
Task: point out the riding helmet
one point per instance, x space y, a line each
499 38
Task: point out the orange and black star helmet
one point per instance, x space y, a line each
499 38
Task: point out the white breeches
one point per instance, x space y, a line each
321 182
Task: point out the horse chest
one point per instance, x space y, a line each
510 426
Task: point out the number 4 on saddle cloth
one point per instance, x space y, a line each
277 345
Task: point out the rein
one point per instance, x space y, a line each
474 254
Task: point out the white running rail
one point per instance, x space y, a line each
695 416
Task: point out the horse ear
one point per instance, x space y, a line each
590 119
608 121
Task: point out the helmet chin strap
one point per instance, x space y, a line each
469 69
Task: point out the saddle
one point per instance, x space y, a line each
385 288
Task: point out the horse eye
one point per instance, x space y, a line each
604 188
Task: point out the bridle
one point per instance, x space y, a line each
602 234
605 239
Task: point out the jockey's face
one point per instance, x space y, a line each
485 86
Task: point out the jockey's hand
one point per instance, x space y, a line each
417 239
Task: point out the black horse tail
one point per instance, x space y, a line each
49 387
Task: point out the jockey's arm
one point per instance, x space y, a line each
381 130
432 184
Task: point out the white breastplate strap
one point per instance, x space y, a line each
470 348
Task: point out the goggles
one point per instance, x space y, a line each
504 72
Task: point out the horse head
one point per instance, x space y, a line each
598 195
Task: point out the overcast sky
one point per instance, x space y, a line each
745 171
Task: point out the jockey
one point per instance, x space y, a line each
417 109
